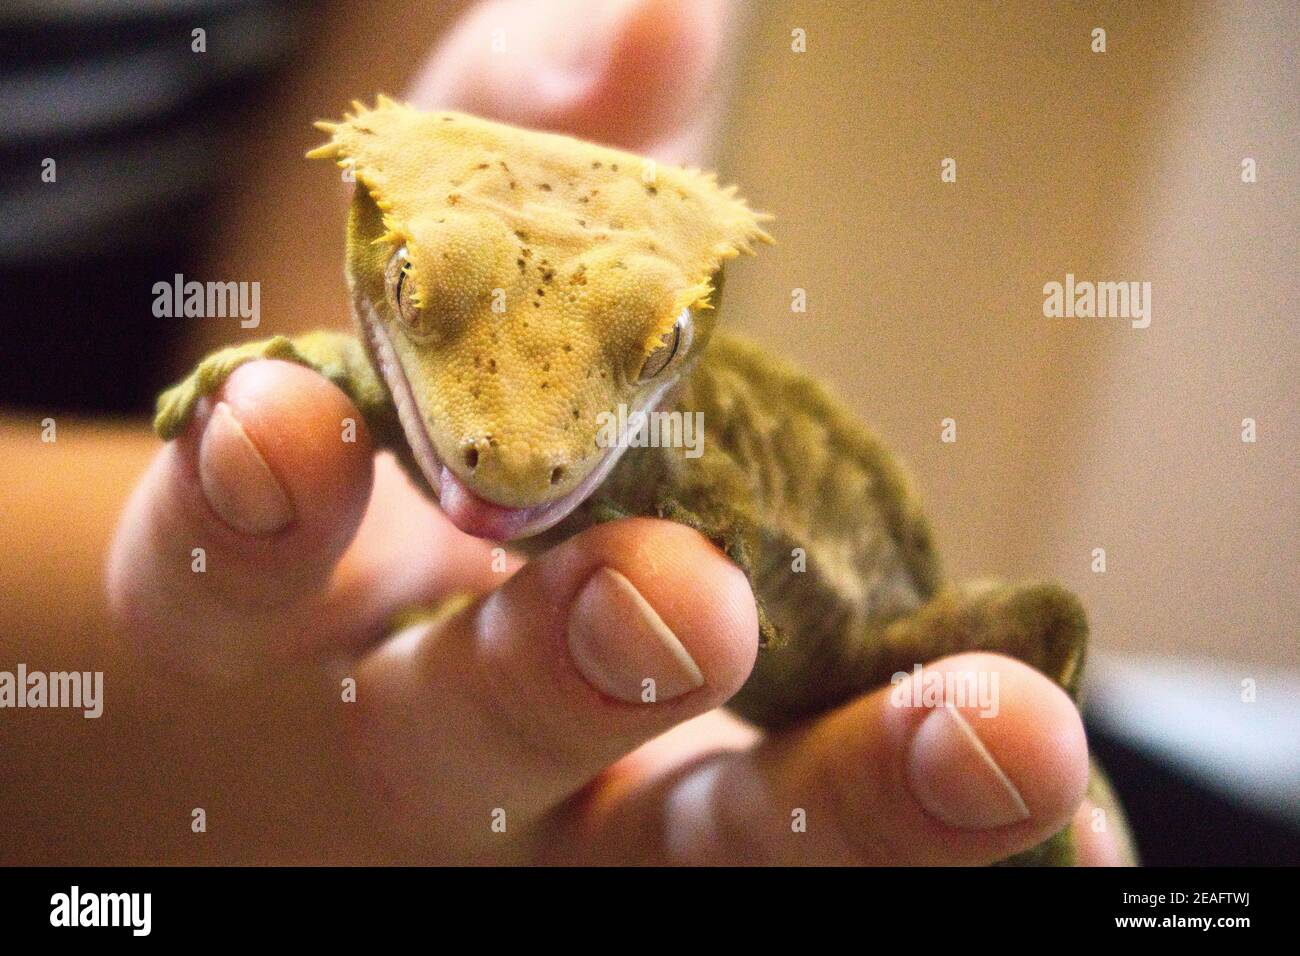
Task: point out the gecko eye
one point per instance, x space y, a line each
676 341
401 290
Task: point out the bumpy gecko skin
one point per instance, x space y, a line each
513 289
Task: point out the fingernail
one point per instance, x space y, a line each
236 479
623 647
955 778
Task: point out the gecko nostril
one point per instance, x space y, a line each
557 474
471 458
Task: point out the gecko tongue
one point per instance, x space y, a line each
478 517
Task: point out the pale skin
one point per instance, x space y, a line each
313 545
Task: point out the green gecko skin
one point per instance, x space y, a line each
786 479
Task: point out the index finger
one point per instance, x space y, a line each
233 551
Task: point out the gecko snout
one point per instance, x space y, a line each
516 476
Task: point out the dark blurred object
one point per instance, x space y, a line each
137 123
1178 822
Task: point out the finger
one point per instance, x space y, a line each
638 74
516 701
226 552
1101 832
872 783
407 554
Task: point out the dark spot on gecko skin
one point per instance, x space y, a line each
652 190
544 187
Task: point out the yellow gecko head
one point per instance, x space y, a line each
515 289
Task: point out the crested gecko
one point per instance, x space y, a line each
513 290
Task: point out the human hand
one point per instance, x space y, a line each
512 709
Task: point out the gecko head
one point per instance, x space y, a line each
520 290
514 366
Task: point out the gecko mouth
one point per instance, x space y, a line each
469 511
476 515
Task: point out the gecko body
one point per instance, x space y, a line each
513 289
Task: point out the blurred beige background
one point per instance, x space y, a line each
925 298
